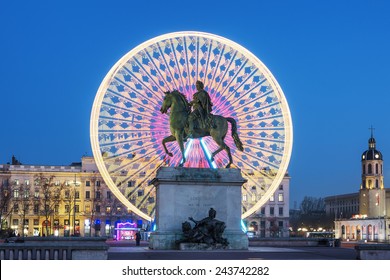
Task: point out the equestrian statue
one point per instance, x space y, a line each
198 122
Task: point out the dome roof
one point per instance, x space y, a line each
372 153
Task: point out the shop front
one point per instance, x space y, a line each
125 231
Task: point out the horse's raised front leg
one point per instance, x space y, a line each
170 138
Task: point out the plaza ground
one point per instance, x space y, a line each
128 251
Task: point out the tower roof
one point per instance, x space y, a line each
372 153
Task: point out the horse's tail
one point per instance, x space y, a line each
236 139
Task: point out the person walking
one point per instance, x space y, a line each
137 238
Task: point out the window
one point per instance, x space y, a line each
77 195
97 208
118 209
87 194
56 208
67 194
262 210
97 195
280 211
253 197
27 182
369 169
57 183
16 193
272 198
26 193
77 208
36 208
244 197
281 187
66 183
67 208
16 182
280 224
97 184
15 222
272 211
130 184
108 209
88 183
364 169
376 183
376 168
108 195
87 208
280 197
140 192
36 222
16 208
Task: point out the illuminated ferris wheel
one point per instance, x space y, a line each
127 127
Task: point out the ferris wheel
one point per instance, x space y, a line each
127 127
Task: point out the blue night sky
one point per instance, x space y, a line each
331 58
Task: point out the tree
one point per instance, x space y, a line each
311 215
94 200
24 203
312 205
5 201
70 202
112 204
50 196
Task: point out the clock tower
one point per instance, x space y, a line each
372 193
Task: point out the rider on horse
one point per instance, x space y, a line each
200 116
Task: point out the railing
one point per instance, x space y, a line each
55 248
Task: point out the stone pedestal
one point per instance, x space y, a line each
191 192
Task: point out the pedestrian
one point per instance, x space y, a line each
137 238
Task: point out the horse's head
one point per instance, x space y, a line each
167 102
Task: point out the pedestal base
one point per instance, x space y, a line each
191 192
164 240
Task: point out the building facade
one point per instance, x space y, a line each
72 200
272 219
363 215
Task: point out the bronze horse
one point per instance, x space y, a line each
178 119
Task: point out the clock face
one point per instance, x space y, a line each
363 156
376 156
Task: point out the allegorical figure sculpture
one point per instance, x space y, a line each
197 123
208 230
